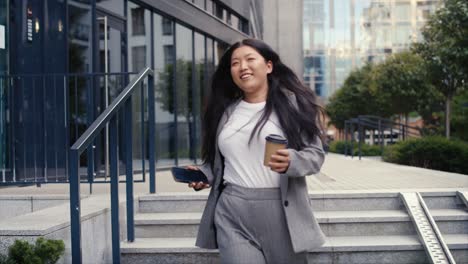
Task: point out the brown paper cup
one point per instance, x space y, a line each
273 143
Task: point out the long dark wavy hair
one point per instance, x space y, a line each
298 123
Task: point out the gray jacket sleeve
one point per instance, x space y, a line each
206 169
307 161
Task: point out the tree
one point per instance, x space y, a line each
445 51
401 81
186 101
459 120
356 98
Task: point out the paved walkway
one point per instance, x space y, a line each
343 173
339 173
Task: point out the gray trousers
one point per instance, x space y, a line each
251 227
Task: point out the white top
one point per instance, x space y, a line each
244 163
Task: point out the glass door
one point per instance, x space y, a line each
110 61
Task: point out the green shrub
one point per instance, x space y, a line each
436 153
366 150
45 251
4 259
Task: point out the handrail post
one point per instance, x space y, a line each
129 170
75 215
346 138
360 136
151 134
114 175
352 140
381 137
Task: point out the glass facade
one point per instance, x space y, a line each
180 57
3 37
223 13
3 85
340 35
98 47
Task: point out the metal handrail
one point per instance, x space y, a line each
374 122
109 115
64 104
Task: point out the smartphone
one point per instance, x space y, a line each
185 175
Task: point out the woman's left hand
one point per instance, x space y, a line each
279 162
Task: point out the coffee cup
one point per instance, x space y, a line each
273 143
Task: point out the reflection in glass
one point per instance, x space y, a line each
79 61
139 57
184 90
114 6
199 88
164 97
345 34
3 87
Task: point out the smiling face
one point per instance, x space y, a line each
249 72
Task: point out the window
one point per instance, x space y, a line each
403 11
163 57
138 58
138 21
402 35
228 18
235 22
168 54
166 26
219 11
186 147
200 3
209 6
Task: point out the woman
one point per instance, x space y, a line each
254 213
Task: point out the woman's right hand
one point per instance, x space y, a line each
197 186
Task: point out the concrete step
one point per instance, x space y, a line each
443 201
343 249
320 202
333 223
337 201
171 202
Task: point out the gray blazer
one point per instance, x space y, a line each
303 227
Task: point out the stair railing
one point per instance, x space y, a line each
379 123
110 116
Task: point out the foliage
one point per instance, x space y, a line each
366 150
445 50
188 103
355 98
184 88
44 251
459 119
4 259
436 153
401 81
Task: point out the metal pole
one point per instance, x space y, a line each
359 136
106 93
352 141
114 177
381 137
129 170
152 133
346 138
142 127
75 215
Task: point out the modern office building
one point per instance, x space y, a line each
53 55
340 35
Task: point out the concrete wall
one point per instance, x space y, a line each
54 223
14 205
282 30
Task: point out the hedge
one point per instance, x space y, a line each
366 150
44 251
437 153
